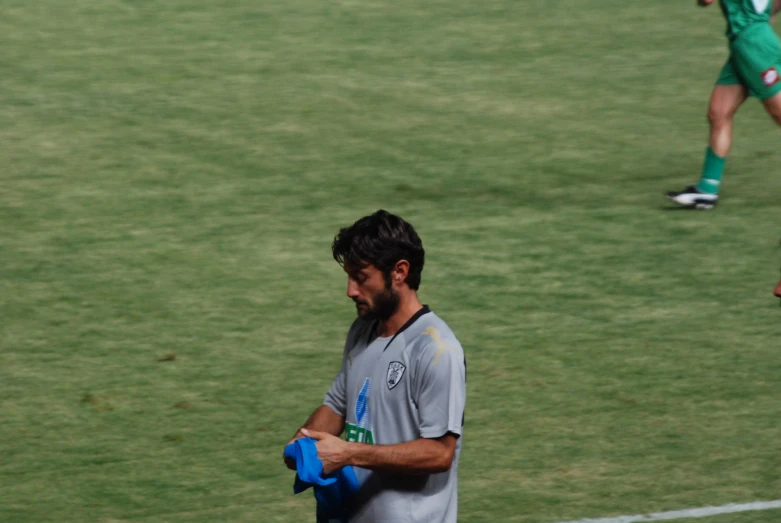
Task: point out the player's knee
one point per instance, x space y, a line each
775 114
773 107
719 115
774 110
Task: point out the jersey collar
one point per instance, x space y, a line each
415 317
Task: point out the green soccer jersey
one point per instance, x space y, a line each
740 14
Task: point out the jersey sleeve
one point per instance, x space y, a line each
336 397
441 391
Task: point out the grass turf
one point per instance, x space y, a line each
173 175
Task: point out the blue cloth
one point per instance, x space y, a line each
332 491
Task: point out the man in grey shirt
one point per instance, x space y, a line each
400 393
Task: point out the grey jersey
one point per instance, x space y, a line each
393 390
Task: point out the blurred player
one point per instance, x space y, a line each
752 69
399 396
778 290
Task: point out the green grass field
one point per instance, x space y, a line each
173 174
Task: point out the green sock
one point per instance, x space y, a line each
711 173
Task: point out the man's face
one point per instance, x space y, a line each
373 297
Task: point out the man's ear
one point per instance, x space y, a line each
400 272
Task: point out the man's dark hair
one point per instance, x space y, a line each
381 239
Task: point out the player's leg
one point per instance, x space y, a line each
773 107
724 103
727 96
758 60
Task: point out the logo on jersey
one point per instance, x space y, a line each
440 343
395 372
362 404
361 432
770 77
760 6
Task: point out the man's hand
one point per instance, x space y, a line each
291 463
323 419
333 452
704 3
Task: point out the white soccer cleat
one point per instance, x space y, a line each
694 199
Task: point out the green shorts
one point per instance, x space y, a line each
754 62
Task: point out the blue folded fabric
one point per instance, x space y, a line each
332 491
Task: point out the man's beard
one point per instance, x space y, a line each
386 303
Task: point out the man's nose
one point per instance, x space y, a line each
352 289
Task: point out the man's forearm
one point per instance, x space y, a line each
323 419
420 456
